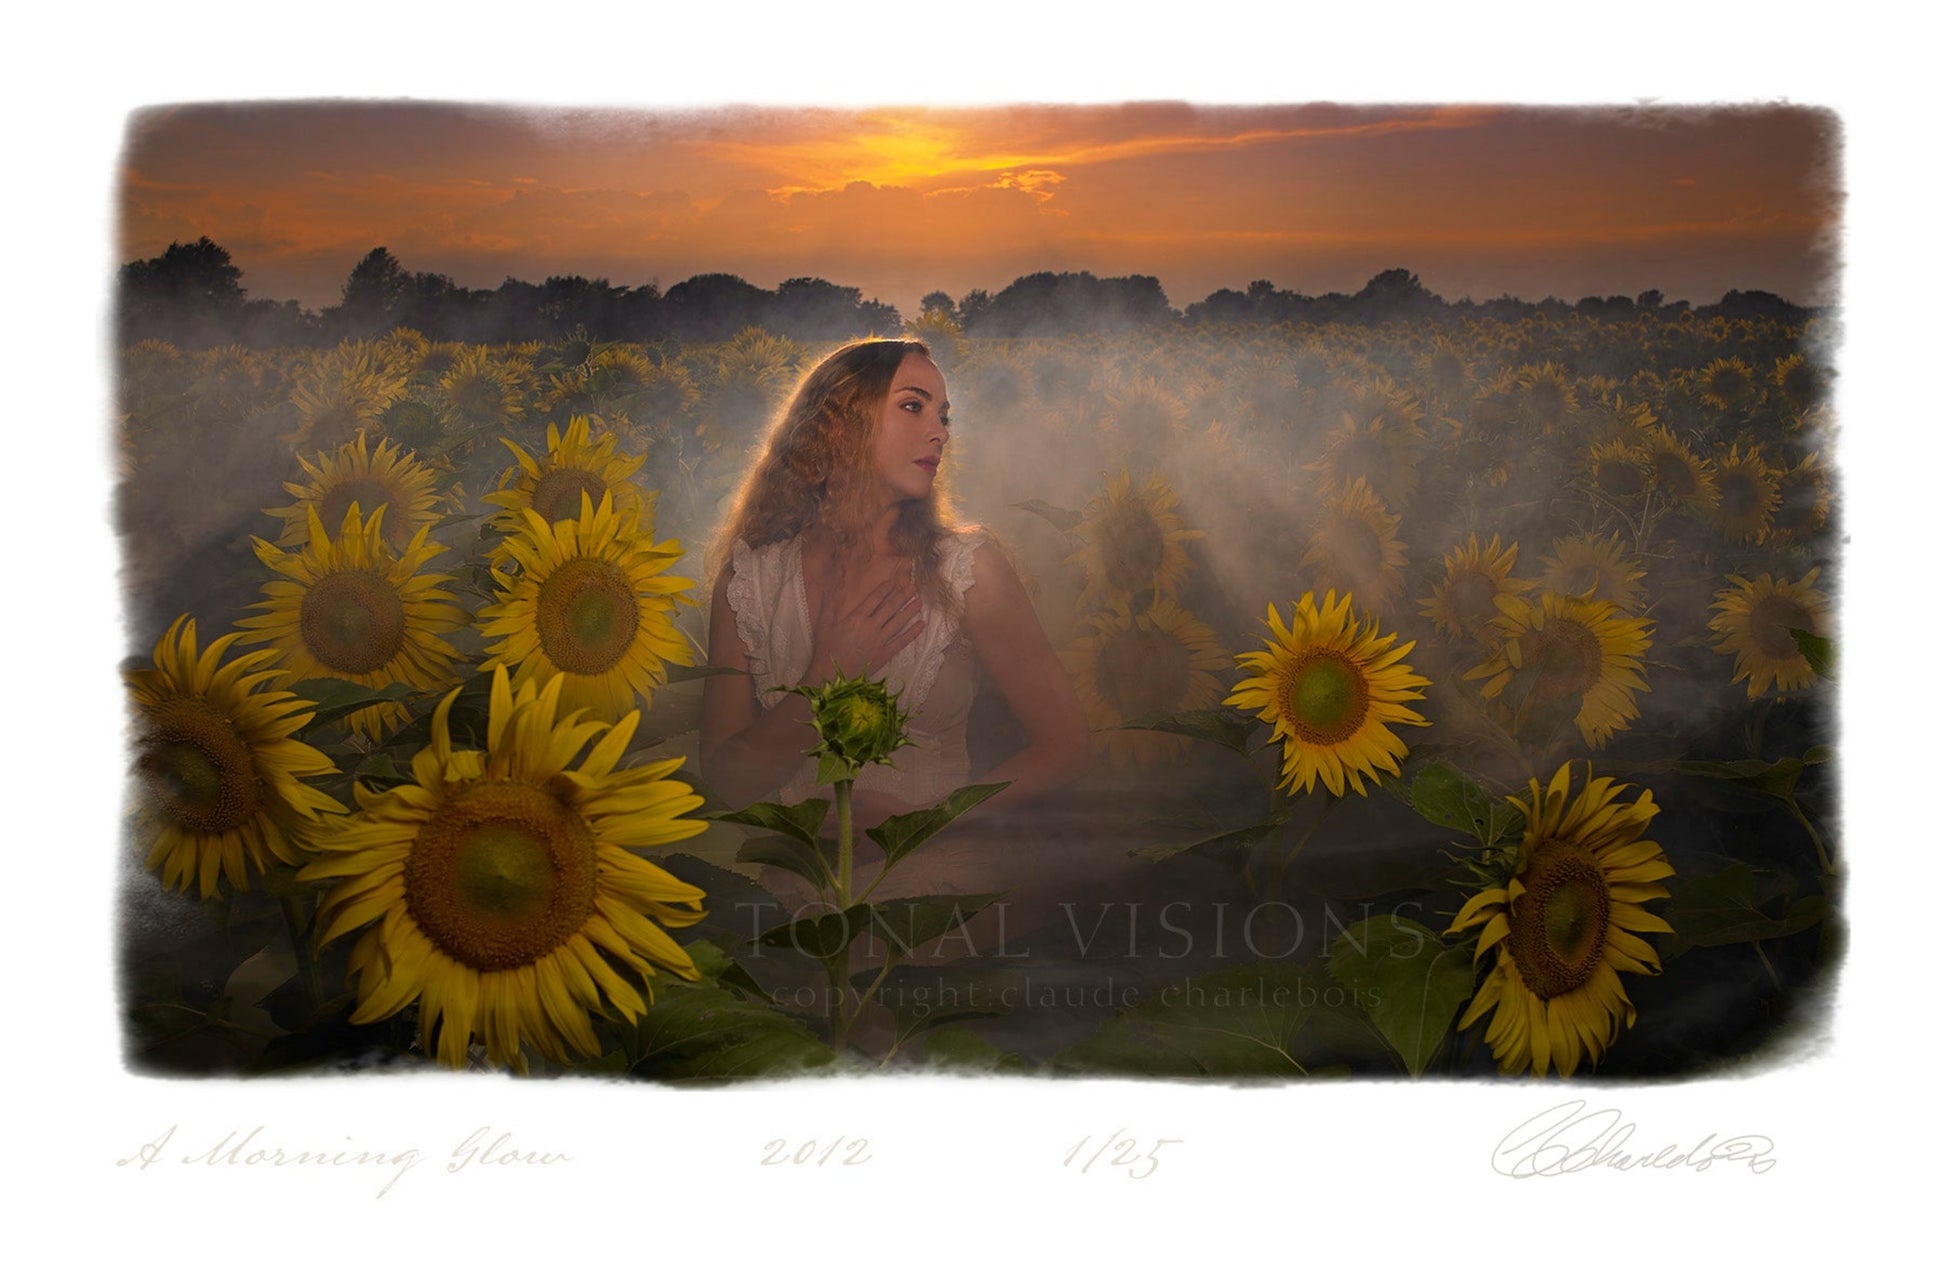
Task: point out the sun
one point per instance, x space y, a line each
1753 621
1566 926
224 790
507 899
1131 665
1355 547
589 600
350 609
385 477
1133 542
1330 687
1465 603
1564 656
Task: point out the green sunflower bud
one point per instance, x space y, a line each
859 722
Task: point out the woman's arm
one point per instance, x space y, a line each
747 751
1008 640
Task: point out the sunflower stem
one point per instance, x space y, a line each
1763 957
1817 840
843 789
301 946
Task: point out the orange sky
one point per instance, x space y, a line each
1476 200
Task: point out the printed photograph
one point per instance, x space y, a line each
1139 591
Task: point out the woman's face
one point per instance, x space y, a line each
911 431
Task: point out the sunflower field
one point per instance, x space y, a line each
1461 692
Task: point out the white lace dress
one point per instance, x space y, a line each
934 675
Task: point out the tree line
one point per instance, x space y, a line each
193 296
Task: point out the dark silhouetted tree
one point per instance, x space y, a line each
190 295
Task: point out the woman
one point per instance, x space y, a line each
841 559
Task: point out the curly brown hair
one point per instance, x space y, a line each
812 467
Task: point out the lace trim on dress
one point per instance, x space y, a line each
744 603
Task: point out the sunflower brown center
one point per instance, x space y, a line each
501 875
1143 670
1132 548
586 615
1558 926
1569 659
1673 471
558 493
1739 494
1327 698
1471 595
198 768
1618 477
1581 579
352 622
370 494
1771 619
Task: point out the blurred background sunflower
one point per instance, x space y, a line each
1466 602
1753 621
1355 547
1565 657
1595 566
1132 665
1133 542
574 465
383 478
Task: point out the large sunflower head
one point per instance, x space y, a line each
1597 567
1678 472
1562 656
553 486
384 477
1131 665
1798 382
481 389
222 780
1356 547
1547 398
1134 541
351 609
1803 501
1566 925
1609 417
1466 602
590 600
340 393
508 902
1385 455
1746 495
1727 385
1753 621
1330 687
1619 469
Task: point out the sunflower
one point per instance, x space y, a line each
1445 369
1356 547
385 477
1547 397
589 602
1681 475
553 486
1329 686
1463 604
1799 382
1161 660
1570 656
221 772
1609 418
340 394
1620 469
1727 385
1134 541
1385 455
350 609
481 390
1566 924
1754 623
508 903
1804 501
1746 495
1589 566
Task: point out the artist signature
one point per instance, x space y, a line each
1570 1139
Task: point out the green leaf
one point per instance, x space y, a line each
899 835
1817 652
1231 845
1408 983
1224 726
1446 797
1777 778
957 1050
825 936
1065 519
799 821
904 925
1727 907
717 966
1241 1022
833 767
707 1034
337 699
795 855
